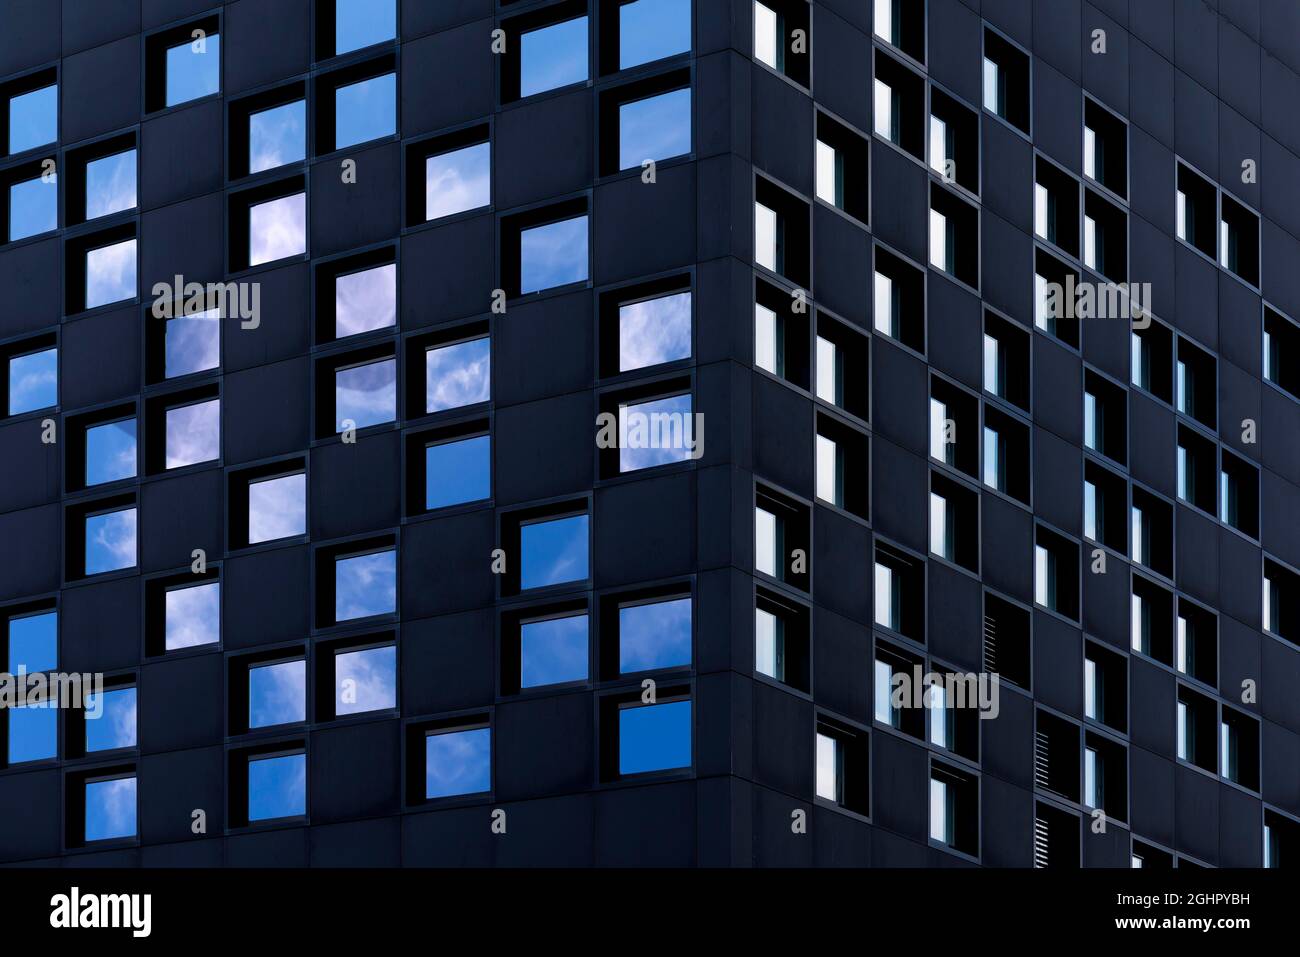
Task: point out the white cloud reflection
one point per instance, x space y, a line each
193 433
457 181
277 229
110 273
193 616
365 300
458 374
277 508
365 680
366 394
654 331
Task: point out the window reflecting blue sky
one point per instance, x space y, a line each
110 184
553 56
365 585
365 680
277 694
654 331
663 440
192 74
33 734
363 23
457 181
656 635
553 551
277 787
277 229
365 300
277 508
553 254
110 541
366 394
458 762
33 119
193 343
110 452
193 433
458 374
553 651
654 737
110 273
655 128
33 381
33 208
456 472
115 726
34 642
193 615
277 136
652 29
365 110
110 809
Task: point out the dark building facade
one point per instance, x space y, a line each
960 335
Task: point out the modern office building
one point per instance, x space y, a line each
569 432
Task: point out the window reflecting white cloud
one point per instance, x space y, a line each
191 72
33 381
277 136
553 56
110 184
654 331
193 343
553 651
277 508
277 787
457 375
553 254
277 229
110 452
110 809
365 300
365 680
110 273
277 694
457 181
193 616
193 433
655 433
115 725
365 110
553 551
33 208
654 635
365 394
365 585
655 128
458 762
110 541
33 119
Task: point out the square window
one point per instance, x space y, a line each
110 273
553 254
365 585
553 56
650 30
110 452
110 184
842 178
457 471
365 680
553 650
192 616
33 208
33 643
457 762
33 381
33 118
457 181
277 508
193 69
365 110
277 136
193 433
553 551
653 331
110 541
654 128
33 732
654 635
365 395
277 229
277 693
654 737
362 23
656 432
110 719
277 787
192 343
110 809
458 374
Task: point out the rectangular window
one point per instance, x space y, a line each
193 69
768 47
457 181
457 763
940 149
888 600
458 375
939 241
830 372
365 110
33 643
33 381
365 394
830 471
767 541
33 208
277 787
995 88
193 433
830 175
363 23
192 343
365 680
277 229
114 727
553 650
942 527
1092 769
33 118
365 585
365 300
110 809
885 712
554 254
886 306
995 463
650 30
767 244
110 273
887 111
830 769
943 719
277 694
277 508
654 128
457 471
941 811
654 635
33 732
277 136
769 644
192 616
654 331
110 541
654 737
657 432
553 56
553 551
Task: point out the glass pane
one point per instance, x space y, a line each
365 585
363 23
553 651
658 432
553 56
33 208
110 184
365 300
193 433
655 128
938 525
654 737
193 69
654 331
652 29
553 255
193 343
277 229
33 381
365 680
884 596
277 136
938 240
827 783
458 762
110 809
110 541
33 119
765 227
884 692
766 349
458 375
937 700
34 643
457 472
365 394
767 652
939 808
765 38
277 508
277 787
827 470
365 110
884 103
277 694
193 616
33 733
938 145
765 541
990 85
553 552
110 273
884 305
825 157
654 635
110 720
457 181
